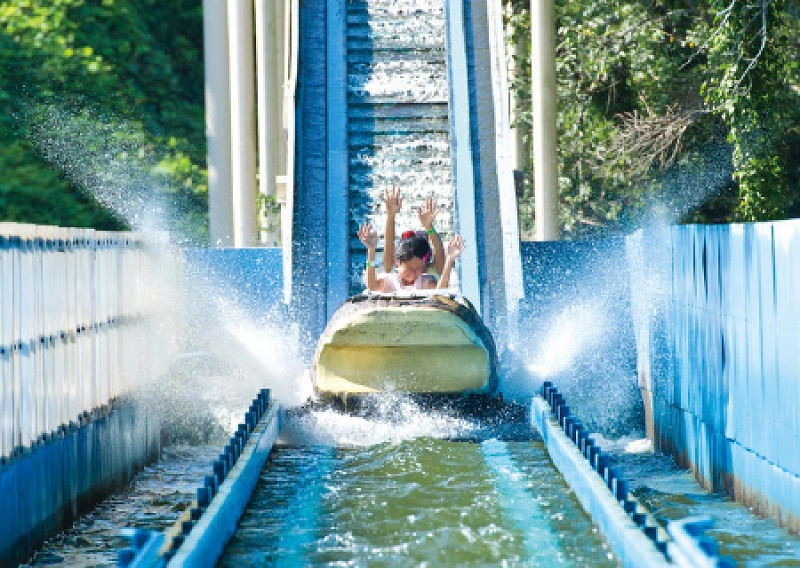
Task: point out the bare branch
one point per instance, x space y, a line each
740 38
763 33
652 140
727 15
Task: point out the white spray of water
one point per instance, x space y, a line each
582 331
109 158
397 418
221 354
574 332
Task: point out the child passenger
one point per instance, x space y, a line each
411 258
427 214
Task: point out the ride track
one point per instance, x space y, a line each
485 491
411 482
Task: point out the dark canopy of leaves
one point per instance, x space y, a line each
136 62
684 108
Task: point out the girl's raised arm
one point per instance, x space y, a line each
393 202
454 249
369 238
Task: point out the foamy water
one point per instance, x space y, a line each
398 419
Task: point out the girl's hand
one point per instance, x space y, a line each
392 200
427 213
368 235
455 247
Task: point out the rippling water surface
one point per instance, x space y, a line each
410 500
154 501
671 492
413 488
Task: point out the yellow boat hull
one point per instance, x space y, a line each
407 345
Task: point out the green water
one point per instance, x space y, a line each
416 502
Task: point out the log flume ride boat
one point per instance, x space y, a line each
410 343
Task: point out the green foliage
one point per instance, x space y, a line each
136 62
270 219
629 72
35 193
753 87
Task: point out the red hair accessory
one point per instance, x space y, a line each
419 234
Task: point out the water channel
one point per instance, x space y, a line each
407 487
413 488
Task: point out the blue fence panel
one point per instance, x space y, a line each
64 296
727 405
786 243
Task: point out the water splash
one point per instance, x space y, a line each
229 353
222 352
395 418
111 159
585 299
686 186
576 330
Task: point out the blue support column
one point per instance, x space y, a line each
461 150
337 202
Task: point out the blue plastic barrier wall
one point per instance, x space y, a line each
717 322
73 324
77 336
45 488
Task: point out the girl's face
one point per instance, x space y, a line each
409 270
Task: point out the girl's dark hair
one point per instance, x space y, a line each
412 247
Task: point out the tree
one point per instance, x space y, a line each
126 76
673 102
753 51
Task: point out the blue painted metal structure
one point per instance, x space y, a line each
483 217
74 342
338 207
461 150
207 537
691 548
310 246
718 354
633 533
